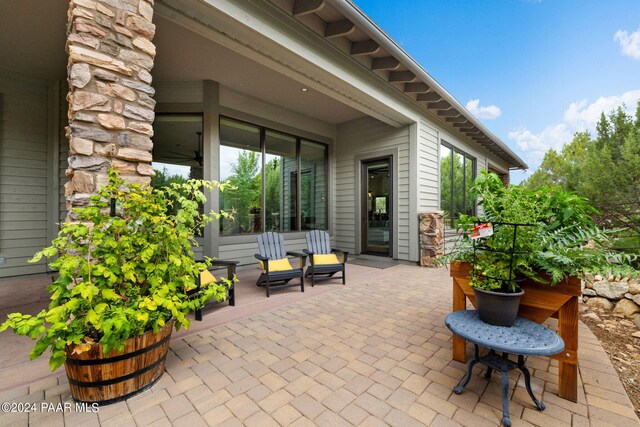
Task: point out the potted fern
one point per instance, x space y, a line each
542 236
126 275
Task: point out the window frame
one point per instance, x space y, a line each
298 184
453 216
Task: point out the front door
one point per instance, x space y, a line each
376 210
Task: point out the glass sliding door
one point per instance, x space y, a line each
376 208
241 168
277 181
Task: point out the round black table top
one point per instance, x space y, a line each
525 337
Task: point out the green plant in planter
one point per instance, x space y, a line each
557 236
122 273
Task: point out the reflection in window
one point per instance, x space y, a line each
177 148
313 186
280 180
457 171
241 167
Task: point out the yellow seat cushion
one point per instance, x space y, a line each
277 265
325 259
206 278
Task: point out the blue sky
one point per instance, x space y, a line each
533 71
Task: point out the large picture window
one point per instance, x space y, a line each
457 171
280 180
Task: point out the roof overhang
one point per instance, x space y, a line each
343 24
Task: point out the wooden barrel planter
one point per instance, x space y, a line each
98 378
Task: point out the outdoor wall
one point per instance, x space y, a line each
430 136
189 96
111 108
361 139
23 172
428 181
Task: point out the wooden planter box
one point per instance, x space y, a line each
95 377
538 304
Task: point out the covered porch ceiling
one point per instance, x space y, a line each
183 55
38 50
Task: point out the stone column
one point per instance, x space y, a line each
431 237
111 109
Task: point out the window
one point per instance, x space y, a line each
280 180
241 167
457 171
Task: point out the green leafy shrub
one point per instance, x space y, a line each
558 237
123 274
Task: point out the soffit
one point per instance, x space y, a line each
368 45
183 55
33 34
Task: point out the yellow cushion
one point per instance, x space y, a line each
325 259
277 265
206 278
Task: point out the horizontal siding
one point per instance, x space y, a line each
63 162
23 173
244 252
427 167
360 137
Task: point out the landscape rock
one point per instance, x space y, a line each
601 303
593 316
611 290
626 308
589 292
634 288
636 299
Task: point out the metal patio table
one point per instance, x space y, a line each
524 338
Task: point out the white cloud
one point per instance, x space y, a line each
535 145
580 116
629 43
489 112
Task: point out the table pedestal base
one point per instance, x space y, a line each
504 365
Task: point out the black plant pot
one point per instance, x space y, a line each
497 308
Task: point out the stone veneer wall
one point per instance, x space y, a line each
431 237
111 109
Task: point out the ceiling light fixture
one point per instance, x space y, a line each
305 89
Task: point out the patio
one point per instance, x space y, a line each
373 352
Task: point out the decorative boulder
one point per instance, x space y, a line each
626 308
611 290
599 302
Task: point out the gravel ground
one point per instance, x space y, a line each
623 349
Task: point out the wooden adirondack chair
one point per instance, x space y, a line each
204 279
277 272
325 261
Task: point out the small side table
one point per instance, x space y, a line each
524 338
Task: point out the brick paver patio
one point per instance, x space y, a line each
370 353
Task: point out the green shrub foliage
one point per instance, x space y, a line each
560 238
122 275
